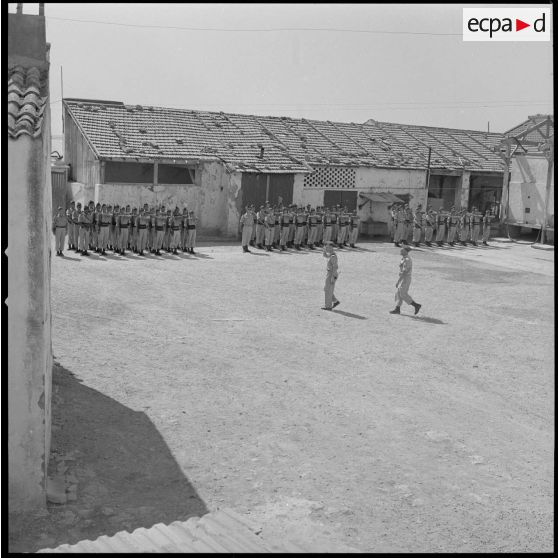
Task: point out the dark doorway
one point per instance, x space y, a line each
256 189
341 197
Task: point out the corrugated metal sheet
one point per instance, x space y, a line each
223 531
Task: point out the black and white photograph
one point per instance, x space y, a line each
280 278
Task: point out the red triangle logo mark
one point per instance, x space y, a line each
519 25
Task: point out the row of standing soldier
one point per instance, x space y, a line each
439 226
103 227
284 227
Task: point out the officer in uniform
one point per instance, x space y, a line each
260 227
95 227
343 222
327 222
417 225
184 230
440 226
453 219
75 219
123 224
59 226
320 226
142 224
247 225
113 231
292 226
269 227
486 220
158 223
476 218
300 222
84 228
429 220
403 283
354 224
71 225
134 230
408 224
286 219
191 223
312 228
277 228
332 273
104 220
176 228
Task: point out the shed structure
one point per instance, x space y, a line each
218 162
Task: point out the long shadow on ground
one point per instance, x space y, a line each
126 475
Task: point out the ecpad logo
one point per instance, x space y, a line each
506 24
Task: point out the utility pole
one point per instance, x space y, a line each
62 95
428 177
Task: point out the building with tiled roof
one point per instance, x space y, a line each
218 162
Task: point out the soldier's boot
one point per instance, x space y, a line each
282 247
297 246
416 306
416 244
245 249
353 246
396 310
485 243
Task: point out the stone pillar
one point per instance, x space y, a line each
463 200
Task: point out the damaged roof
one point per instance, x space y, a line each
27 98
250 143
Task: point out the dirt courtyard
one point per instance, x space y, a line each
192 382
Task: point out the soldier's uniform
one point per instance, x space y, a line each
354 225
292 226
159 223
142 227
408 236
191 224
104 219
123 225
277 228
300 219
453 219
84 229
247 224
75 220
176 225
95 227
429 221
113 230
260 227
440 227
335 223
269 224
403 283
312 228
184 231
343 223
486 219
320 226
286 218
401 226
71 225
463 227
330 280
327 222
476 218
417 225
59 227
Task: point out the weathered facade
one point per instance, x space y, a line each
530 150
216 163
29 240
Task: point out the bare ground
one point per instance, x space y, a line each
187 383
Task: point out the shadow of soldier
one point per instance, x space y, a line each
125 473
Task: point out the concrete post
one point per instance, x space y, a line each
463 201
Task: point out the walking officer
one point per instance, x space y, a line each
403 283
332 273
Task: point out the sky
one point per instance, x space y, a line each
403 63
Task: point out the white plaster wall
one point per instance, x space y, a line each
528 178
313 196
80 193
299 192
233 209
396 181
29 320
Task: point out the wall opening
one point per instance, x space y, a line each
132 173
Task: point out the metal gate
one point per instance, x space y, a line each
274 188
341 197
